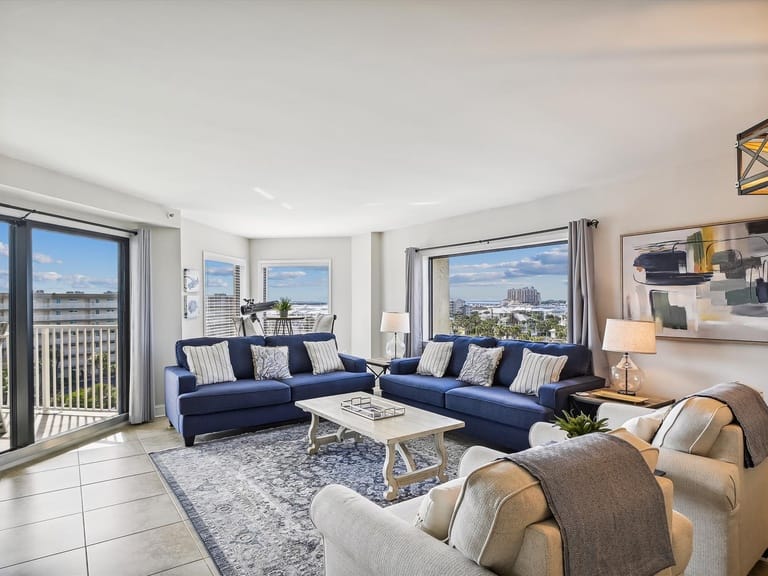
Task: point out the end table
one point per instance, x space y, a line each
378 366
588 403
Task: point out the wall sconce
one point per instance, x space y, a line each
751 156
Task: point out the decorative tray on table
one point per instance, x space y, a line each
364 407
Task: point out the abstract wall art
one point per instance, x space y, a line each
707 282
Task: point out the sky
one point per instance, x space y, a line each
66 262
488 275
299 283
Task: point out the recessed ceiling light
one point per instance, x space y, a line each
286 205
424 203
264 193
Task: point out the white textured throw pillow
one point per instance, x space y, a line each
646 426
436 510
435 359
480 365
270 362
210 364
537 370
324 357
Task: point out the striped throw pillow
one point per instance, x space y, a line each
480 366
324 357
210 364
536 370
435 359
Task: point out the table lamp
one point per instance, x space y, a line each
628 336
397 323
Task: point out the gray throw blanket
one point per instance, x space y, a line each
750 412
607 503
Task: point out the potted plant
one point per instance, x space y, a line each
284 306
577 425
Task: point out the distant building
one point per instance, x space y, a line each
69 308
527 295
458 306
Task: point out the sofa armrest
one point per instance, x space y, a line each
361 538
352 363
702 479
555 395
178 381
404 365
476 456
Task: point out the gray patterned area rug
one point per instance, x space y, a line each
248 496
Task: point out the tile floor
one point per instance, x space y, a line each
99 510
104 510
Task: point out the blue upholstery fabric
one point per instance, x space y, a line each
404 366
239 352
193 424
353 363
305 386
426 389
179 380
579 359
234 396
298 359
556 395
497 404
461 349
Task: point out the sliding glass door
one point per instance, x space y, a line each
63 308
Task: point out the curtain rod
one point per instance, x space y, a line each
592 222
30 211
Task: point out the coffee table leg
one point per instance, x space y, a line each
443 455
389 477
402 449
312 434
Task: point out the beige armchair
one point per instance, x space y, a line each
726 502
362 538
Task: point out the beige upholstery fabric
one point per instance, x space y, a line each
646 426
436 509
649 453
498 502
693 425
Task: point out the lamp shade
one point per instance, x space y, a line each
395 322
629 336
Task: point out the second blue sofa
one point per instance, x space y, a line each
492 413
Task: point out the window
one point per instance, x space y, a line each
514 292
307 283
223 294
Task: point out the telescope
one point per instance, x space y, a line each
250 307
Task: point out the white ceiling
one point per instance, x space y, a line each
371 115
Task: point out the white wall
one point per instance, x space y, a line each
700 192
197 238
337 250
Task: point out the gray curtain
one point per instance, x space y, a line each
414 301
582 319
141 406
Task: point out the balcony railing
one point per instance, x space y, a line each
75 367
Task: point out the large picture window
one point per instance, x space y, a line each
517 292
307 283
223 294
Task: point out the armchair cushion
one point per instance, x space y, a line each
436 509
693 425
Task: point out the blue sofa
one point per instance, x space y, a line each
194 409
493 413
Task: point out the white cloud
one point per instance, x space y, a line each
3 249
287 274
41 258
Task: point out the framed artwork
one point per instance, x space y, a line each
191 306
705 282
191 280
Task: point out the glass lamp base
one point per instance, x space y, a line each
634 380
395 346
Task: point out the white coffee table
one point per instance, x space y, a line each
392 432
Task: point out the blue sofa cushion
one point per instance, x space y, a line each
461 349
298 359
426 389
234 396
497 404
305 386
579 359
239 352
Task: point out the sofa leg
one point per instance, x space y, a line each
189 440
